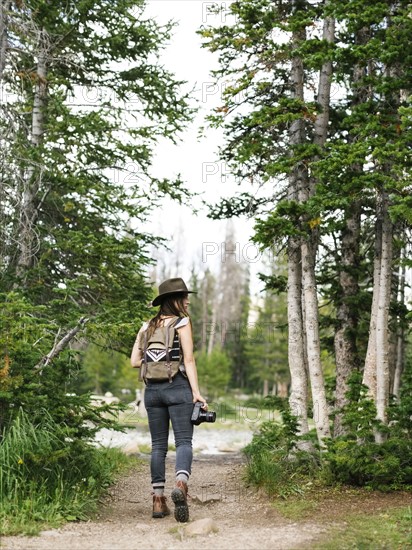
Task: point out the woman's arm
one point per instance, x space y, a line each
186 341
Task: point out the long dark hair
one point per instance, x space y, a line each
170 305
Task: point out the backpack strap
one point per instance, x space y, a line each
144 364
168 365
168 362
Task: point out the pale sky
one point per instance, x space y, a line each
197 160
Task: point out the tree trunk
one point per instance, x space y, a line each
309 247
369 373
347 314
296 350
320 407
400 337
346 356
305 187
382 319
4 8
298 401
324 87
205 313
282 389
32 180
212 333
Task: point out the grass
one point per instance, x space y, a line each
355 518
296 510
48 478
391 530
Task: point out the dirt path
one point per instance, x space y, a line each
242 518
237 517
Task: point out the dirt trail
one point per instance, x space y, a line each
243 518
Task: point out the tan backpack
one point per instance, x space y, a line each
162 354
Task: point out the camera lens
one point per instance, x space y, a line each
199 415
210 416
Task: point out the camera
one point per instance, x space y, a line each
199 415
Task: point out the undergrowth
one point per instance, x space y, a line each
47 477
283 463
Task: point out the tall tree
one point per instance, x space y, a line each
231 305
324 160
85 99
267 346
278 136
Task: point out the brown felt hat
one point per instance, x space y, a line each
171 286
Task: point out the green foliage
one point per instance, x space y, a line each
275 461
105 370
356 459
325 187
48 476
214 372
86 100
385 466
267 342
28 335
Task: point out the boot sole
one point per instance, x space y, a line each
181 507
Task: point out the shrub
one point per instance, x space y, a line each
275 461
356 459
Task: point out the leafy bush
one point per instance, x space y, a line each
277 462
384 466
355 458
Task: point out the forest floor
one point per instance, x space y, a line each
234 516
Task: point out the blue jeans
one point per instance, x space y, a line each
166 401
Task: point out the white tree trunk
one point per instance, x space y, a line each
369 373
296 349
308 255
324 87
400 336
32 179
382 319
320 407
298 401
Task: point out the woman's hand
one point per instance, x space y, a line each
198 397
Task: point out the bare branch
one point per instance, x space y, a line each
59 346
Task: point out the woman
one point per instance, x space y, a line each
171 400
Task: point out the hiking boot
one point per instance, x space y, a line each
179 497
160 508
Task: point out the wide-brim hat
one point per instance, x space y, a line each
171 286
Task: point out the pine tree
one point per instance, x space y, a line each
85 98
331 168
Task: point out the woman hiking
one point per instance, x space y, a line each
170 374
